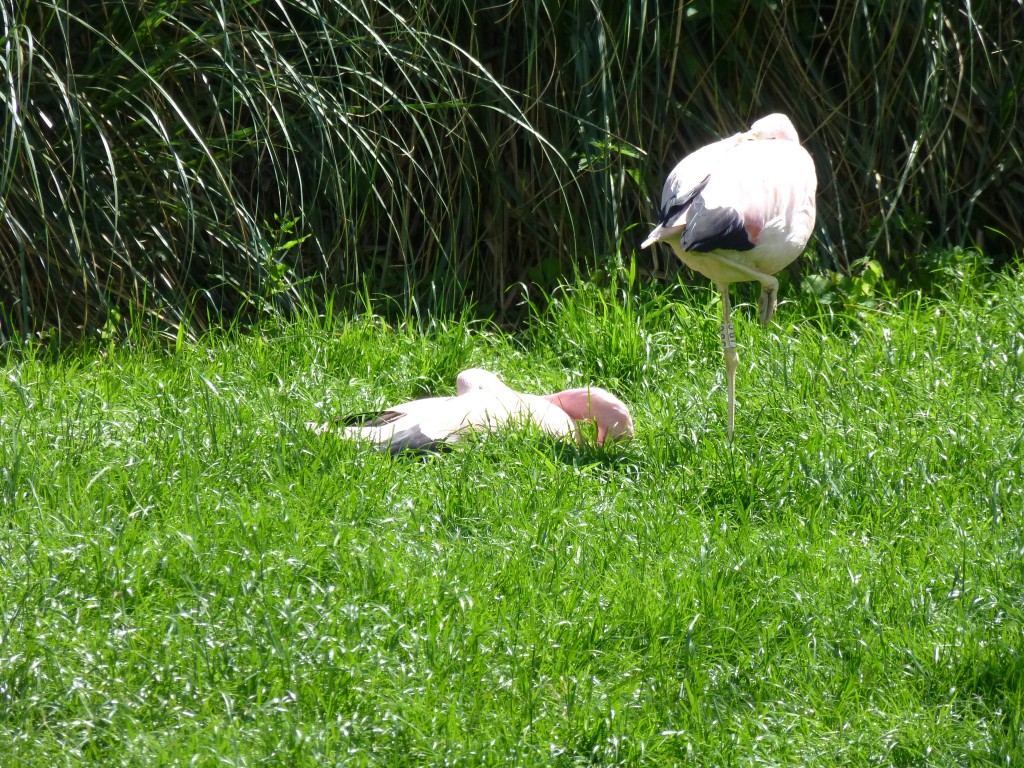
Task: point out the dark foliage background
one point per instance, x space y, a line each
181 163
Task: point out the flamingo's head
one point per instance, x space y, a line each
600 406
775 126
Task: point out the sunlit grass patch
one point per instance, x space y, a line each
188 575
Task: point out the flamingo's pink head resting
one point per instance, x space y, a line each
775 126
600 406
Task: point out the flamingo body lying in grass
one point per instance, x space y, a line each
484 402
738 210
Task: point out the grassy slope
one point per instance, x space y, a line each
185 571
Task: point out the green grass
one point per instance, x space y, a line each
189 577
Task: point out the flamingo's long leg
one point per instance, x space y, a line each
724 268
767 301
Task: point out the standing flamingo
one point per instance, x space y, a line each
737 210
485 402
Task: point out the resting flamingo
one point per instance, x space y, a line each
484 402
737 210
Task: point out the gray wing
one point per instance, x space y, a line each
713 229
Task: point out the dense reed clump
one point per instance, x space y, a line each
186 162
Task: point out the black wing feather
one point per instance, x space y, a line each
372 419
714 229
414 441
675 207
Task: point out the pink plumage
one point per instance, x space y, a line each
738 210
484 402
